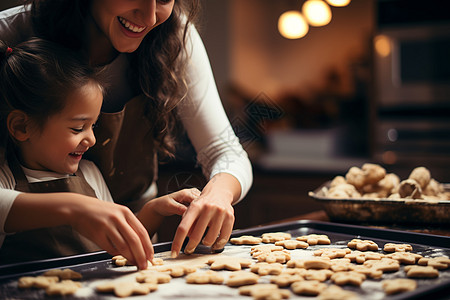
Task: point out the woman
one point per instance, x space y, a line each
159 76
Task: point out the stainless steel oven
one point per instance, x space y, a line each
412 84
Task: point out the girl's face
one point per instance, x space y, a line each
66 136
125 23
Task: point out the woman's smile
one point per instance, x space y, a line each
131 26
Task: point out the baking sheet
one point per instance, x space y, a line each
386 211
97 267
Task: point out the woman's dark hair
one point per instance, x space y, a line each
36 77
157 66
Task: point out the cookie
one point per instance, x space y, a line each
317 263
63 274
398 285
292 244
362 245
246 240
265 291
421 272
319 275
121 261
229 263
334 292
308 288
62 288
40 282
240 278
385 264
405 258
340 264
263 268
153 277
257 250
274 257
205 277
368 272
273 237
285 279
178 270
348 277
391 247
314 239
126 289
360 256
440 262
332 252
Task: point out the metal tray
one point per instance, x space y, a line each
97 267
390 211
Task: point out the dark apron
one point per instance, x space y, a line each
125 154
46 242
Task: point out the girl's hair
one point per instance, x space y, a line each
158 66
36 77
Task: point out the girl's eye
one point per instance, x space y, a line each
77 130
164 1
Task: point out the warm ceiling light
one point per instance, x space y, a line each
317 12
292 25
382 45
338 3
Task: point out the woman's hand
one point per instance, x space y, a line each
212 210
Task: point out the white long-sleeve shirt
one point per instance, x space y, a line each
202 114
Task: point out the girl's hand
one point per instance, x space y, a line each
152 214
212 210
114 228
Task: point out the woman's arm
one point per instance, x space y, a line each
221 156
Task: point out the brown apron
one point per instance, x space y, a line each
124 152
46 242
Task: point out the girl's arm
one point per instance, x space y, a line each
112 227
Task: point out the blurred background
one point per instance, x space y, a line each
321 89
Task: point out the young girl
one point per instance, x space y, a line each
49 104
160 78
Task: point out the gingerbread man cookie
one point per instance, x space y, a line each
153 277
240 278
229 263
273 237
308 288
205 277
391 247
265 291
348 277
263 268
292 244
315 239
362 245
246 240
62 288
40 282
63 274
126 288
440 262
398 285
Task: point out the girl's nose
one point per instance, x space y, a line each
89 140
